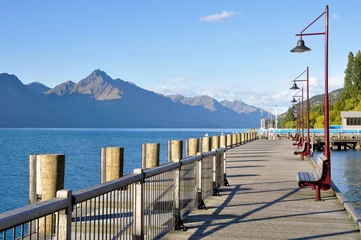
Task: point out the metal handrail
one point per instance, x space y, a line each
31 212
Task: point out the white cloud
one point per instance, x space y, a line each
336 16
217 17
335 82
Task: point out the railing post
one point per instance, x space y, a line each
175 148
139 208
63 231
234 139
199 197
242 138
224 168
238 139
150 155
215 146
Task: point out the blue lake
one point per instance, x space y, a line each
82 152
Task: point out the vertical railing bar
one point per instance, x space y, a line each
95 216
14 232
85 218
90 218
76 221
81 221
52 227
106 215
58 225
45 227
103 216
98 218
29 229
118 214
38 228
22 231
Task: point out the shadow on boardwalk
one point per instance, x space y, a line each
264 201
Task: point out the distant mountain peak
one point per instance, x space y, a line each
97 73
37 88
238 106
62 89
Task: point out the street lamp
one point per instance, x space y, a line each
295 87
301 112
302 48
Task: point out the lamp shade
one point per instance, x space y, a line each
300 48
294 87
293 100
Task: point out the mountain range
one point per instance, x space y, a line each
98 101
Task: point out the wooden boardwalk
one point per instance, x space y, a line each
264 201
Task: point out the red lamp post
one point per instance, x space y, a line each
295 87
300 114
302 48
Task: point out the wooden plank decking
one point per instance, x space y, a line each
264 201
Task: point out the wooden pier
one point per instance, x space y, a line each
264 201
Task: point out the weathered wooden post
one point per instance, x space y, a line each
229 140
215 142
175 150
51 169
288 135
205 144
112 163
205 147
242 138
339 136
223 141
234 139
238 139
192 147
150 155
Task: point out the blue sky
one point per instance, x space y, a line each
227 49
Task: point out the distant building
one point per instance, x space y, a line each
351 120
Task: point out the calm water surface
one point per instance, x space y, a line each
82 152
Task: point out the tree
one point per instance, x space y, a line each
348 80
356 75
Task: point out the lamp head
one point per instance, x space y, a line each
293 100
300 48
294 86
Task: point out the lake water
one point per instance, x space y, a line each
82 151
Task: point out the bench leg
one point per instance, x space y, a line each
318 193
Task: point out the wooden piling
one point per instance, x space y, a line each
114 163
229 140
192 147
215 142
175 150
52 180
150 155
205 144
234 139
223 141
